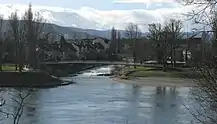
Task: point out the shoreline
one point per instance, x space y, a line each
123 74
158 81
38 79
50 85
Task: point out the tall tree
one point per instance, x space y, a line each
113 44
174 29
15 26
133 33
159 35
34 24
214 29
118 42
1 41
19 35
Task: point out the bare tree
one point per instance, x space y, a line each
19 35
174 29
20 101
204 10
1 40
205 95
159 35
118 42
34 23
15 26
214 38
13 109
133 32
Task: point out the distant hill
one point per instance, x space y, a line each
58 29
91 33
73 31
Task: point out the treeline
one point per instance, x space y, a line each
165 39
22 36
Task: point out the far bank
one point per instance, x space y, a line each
47 76
129 72
154 76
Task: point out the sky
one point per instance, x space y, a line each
99 4
104 13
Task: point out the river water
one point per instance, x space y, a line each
100 100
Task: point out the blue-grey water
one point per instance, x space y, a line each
101 100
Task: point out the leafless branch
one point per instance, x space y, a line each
202 12
33 25
132 31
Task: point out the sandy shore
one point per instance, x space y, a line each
159 81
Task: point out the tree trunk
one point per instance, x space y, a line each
20 67
1 51
186 57
17 57
1 61
32 54
164 65
171 55
16 67
20 58
174 57
164 61
134 53
134 59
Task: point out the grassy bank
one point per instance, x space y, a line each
141 71
8 67
28 79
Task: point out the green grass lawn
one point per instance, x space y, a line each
141 71
10 67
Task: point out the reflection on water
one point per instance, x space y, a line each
166 104
100 100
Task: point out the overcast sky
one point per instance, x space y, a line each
108 13
99 4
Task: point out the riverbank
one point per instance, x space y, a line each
129 72
48 76
159 82
34 79
154 76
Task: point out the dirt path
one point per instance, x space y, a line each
159 81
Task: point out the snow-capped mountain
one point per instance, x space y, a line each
96 22
90 18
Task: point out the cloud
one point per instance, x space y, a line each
142 17
149 2
145 1
87 17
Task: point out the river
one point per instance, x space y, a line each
100 100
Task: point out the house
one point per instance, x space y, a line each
102 43
58 50
68 49
77 47
52 51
